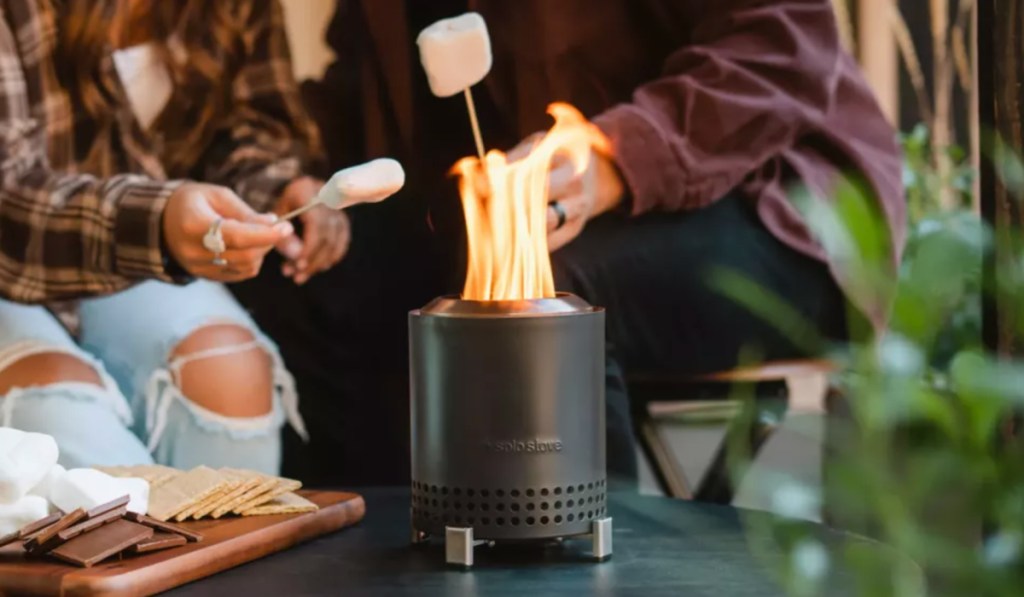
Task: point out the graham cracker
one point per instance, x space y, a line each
184 491
283 486
247 480
155 474
286 503
265 485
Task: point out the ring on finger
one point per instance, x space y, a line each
213 241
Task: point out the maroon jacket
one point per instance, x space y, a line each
698 97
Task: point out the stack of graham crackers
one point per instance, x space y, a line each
204 492
87 537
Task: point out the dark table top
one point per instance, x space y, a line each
661 547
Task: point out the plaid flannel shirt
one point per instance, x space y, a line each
73 227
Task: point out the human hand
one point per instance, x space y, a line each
582 197
190 212
326 232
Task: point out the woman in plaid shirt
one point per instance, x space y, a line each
109 110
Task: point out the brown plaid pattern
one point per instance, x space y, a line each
73 226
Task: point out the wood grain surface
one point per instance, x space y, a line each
226 543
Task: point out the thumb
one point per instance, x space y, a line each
230 206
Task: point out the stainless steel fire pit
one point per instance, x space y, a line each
508 428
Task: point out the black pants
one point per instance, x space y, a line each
343 335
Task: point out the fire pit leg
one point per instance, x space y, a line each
601 539
458 546
418 537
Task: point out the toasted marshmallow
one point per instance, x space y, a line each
456 53
25 458
371 182
87 488
21 513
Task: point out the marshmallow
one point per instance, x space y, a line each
43 488
456 53
25 458
87 488
21 513
371 182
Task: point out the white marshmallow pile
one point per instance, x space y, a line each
456 53
371 182
31 480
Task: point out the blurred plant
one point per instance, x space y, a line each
918 457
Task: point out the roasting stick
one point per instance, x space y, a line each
371 182
475 123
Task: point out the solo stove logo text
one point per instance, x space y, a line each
517 446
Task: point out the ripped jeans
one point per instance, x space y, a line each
139 415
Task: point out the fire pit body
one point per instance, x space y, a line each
508 423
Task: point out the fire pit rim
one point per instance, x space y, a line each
561 305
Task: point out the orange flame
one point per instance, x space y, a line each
505 206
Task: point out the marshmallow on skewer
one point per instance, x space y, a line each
25 459
87 488
371 182
456 53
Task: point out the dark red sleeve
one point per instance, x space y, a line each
756 77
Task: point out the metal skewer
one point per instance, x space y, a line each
476 125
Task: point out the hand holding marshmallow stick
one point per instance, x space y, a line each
371 182
456 53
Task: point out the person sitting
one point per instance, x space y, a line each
129 130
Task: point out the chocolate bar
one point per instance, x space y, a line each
159 525
27 531
47 538
99 544
93 522
121 502
157 542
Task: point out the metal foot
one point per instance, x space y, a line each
458 546
601 539
418 537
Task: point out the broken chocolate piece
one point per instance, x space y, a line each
166 527
93 522
98 545
47 538
157 542
120 502
27 531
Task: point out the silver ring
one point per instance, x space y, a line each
213 241
560 212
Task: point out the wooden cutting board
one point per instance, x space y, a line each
226 543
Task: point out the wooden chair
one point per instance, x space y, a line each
659 400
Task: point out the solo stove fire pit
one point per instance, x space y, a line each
508 423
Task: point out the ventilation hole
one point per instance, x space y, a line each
457 491
529 493
514 493
568 504
485 507
590 485
434 502
500 493
570 517
544 491
499 507
543 505
570 489
457 505
470 492
590 500
543 519
499 521
444 491
444 504
458 520
558 491
579 487
531 506
558 505
515 507
470 506
558 519
433 489
470 519
515 521
484 493
485 520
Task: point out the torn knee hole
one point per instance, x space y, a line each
224 369
47 368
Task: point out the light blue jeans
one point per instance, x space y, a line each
140 416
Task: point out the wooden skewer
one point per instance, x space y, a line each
476 126
298 212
